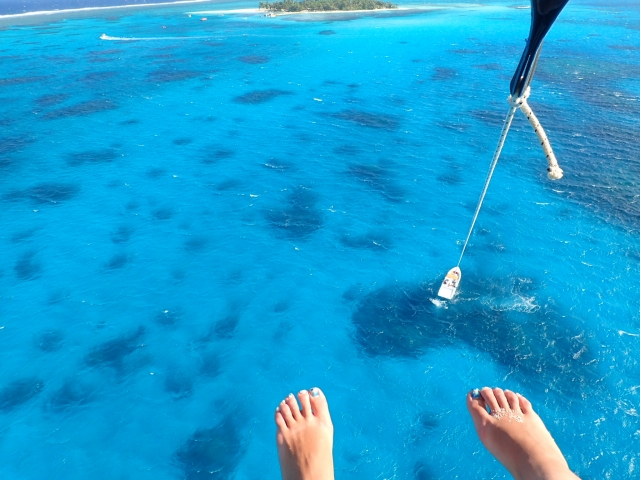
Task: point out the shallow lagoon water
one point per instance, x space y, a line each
194 227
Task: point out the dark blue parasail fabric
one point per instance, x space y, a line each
543 14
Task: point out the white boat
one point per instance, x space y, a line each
450 283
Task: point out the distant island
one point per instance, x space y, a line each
324 5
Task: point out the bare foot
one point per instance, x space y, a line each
516 435
305 437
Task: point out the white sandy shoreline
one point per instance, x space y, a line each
89 9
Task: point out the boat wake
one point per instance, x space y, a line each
104 36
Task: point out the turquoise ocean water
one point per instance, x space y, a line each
199 221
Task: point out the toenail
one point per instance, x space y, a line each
475 393
315 392
291 395
302 392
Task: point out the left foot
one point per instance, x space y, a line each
305 437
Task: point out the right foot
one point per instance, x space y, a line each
305 437
516 436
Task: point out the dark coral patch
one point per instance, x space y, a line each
326 32
346 150
49 341
260 96
119 260
92 156
14 144
19 392
464 51
182 141
155 173
378 178
99 76
212 156
45 193
493 118
162 213
52 99
496 316
488 66
172 75
178 383
442 73
210 365
625 48
71 395
168 318
112 51
9 82
216 449
27 268
122 234
226 327
196 244
254 59
371 241
299 218
113 353
81 109
366 119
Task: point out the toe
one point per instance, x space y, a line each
285 411
490 399
525 405
303 396
319 404
282 425
501 398
512 398
477 408
293 406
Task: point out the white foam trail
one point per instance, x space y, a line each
88 9
438 303
142 39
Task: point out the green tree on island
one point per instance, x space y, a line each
324 5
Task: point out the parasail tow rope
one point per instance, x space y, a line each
553 169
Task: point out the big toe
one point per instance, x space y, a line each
319 404
477 408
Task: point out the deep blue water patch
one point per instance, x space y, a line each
217 449
298 217
19 392
122 234
226 327
51 99
10 82
72 394
254 59
113 353
81 109
260 96
367 119
45 193
167 75
168 318
14 144
379 178
377 241
92 156
49 341
117 261
27 267
536 342
444 73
